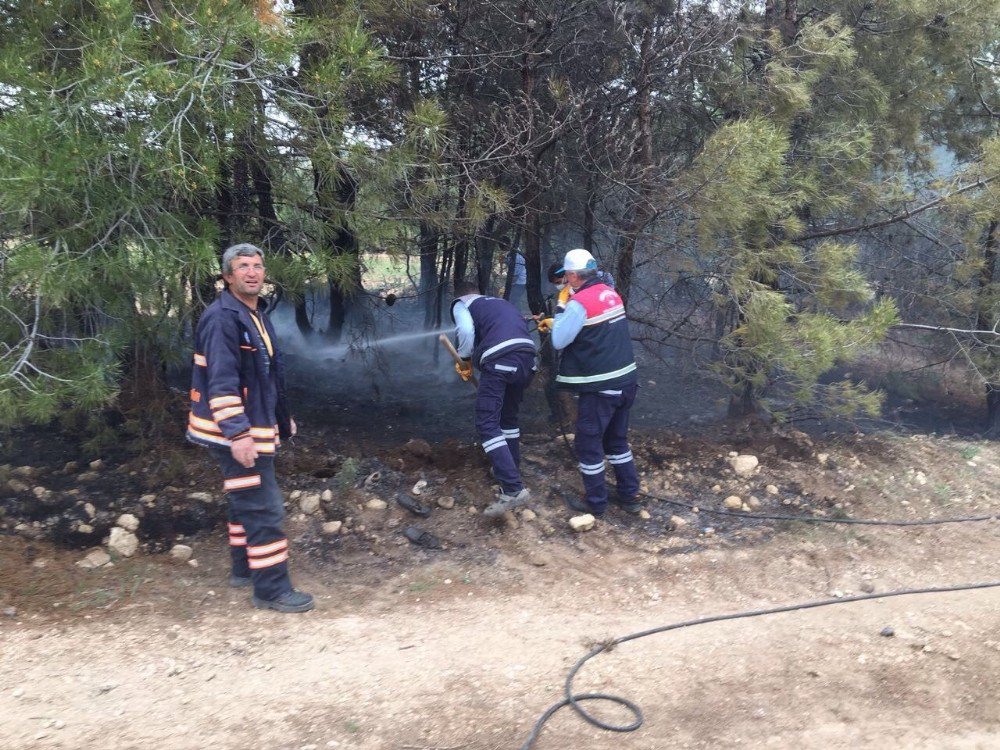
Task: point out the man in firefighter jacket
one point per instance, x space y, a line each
493 336
597 363
238 411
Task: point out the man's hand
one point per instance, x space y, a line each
563 299
545 325
464 369
244 451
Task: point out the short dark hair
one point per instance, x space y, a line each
554 275
463 288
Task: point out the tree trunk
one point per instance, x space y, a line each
427 244
985 322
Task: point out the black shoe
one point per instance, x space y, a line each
290 601
240 582
631 505
581 505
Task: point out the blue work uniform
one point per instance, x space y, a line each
238 388
598 364
493 334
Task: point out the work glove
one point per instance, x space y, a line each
464 369
564 294
545 325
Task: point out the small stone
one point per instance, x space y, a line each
582 523
295 494
71 467
376 503
743 465
85 528
921 478
733 502
128 522
418 488
528 515
15 485
447 502
867 587
771 489
97 464
417 447
754 503
10 611
309 503
326 496
40 492
644 514
473 510
148 499
202 497
181 552
122 542
332 527
822 458
193 563
25 472
887 632
708 531
96 558
18 692
676 522
89 509
58 724
716 488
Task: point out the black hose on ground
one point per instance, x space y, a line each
574 700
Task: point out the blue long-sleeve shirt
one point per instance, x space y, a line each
566 325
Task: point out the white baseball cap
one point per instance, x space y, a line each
577 260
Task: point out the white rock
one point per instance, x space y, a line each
447 502
193 563
376 503
582 523
743 465
148 499
528 515
676 522
644 514
40 492
733 502
326 496
96 558
128 522
419 487
97 464
89 509
754 502
920 477
295 495
25 472
309 503
122 542
181 552
771 489
822 458
15 485
203 497
18 692
332 527
85 528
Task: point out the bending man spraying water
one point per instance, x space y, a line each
494 336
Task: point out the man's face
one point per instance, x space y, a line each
247 277
574 280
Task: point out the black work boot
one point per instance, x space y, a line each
582 505
631 505
290 601
240 582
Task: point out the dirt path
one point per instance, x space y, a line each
439 657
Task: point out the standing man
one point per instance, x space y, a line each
238 411
597 363
494 336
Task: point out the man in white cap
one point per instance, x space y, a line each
597 363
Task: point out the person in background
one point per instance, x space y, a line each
597 364
239 412
493 335
518 282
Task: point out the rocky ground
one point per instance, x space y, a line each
118 630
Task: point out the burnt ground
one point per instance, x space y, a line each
465 645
